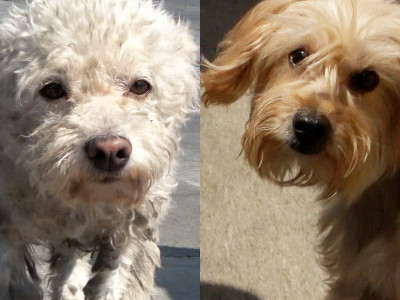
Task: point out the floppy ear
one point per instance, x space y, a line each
236 67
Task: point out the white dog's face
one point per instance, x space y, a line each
99 90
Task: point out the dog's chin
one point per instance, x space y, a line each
127 192
322 168
291 163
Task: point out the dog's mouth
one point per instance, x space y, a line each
109 179
306 148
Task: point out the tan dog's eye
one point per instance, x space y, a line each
140 87
53 91
364 81
297 56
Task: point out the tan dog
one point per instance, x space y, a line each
325 82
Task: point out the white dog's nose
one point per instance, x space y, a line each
108 153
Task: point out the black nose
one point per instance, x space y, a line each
311 131
108 153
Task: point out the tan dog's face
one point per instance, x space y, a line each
325 79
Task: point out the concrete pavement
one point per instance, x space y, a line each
179 279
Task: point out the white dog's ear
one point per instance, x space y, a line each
235 69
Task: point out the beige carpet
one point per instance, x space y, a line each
255 236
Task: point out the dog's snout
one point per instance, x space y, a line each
311 131
108 154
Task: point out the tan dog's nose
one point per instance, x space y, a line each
311 131
108 153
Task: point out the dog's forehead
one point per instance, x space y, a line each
107 40
349 20
115 32
361 31
346 11
87 59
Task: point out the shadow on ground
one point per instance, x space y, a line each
211 291
179 276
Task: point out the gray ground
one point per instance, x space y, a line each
179 277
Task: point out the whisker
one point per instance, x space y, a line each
364 139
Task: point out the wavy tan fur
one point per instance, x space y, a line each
358 169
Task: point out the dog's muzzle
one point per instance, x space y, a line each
108 153
311 131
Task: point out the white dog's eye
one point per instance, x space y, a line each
140 87
297 56
53 91
365 81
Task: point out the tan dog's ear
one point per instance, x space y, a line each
233 71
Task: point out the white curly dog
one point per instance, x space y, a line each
93 93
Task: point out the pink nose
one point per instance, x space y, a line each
108 153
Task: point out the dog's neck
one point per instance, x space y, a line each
373 214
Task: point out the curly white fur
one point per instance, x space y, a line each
50 194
